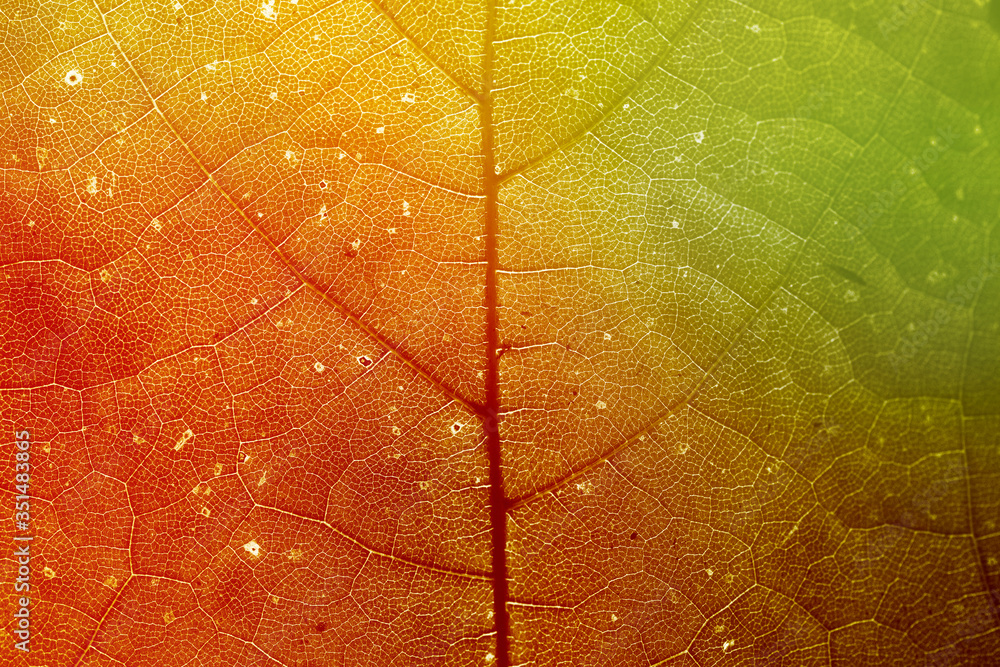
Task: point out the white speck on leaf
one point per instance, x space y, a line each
600 405
699 137
409 98
252 548
73 77
267 9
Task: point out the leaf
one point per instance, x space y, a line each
597 333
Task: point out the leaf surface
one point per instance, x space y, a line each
465 333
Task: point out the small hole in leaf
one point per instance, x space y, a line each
456 427
365 361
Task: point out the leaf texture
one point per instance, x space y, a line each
394 332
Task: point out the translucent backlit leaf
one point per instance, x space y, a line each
625 332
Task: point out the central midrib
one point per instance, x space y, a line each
498 501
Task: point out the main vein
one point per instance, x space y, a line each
498 500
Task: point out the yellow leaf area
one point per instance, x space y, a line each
601 332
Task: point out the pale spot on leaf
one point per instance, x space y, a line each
169 617
73 77
252 548
49 572
187 435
